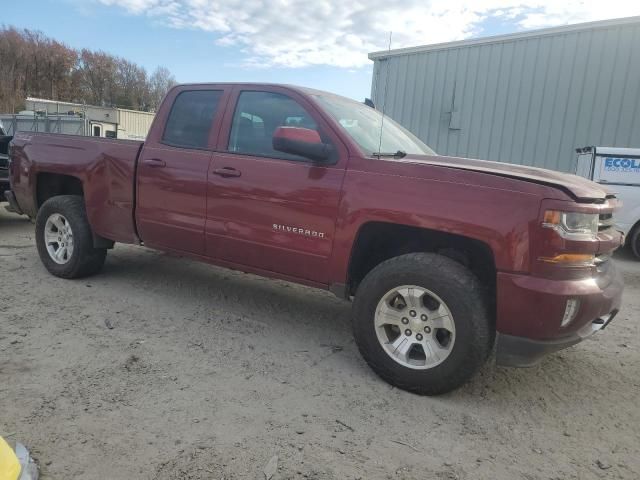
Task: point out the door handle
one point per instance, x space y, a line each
227 172
155 162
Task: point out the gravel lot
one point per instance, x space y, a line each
165 368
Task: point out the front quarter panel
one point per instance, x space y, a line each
500 212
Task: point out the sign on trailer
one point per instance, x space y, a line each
619 170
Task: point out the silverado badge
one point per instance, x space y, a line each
305 232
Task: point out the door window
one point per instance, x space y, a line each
258 115
97 131
191 117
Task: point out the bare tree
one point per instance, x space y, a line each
159 84
132 85
97 71
12 73
32 64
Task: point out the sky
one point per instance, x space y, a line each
317 43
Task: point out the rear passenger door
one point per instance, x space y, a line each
269 210
172 169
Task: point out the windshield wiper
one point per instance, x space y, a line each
398 154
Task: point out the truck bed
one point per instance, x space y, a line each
105 168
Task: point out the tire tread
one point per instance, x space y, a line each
483 332
86 260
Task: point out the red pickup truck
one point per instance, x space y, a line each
443 257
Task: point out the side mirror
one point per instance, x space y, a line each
301 141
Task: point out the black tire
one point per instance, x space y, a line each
462 293
85 259
634 241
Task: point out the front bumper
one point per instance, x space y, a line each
530 311
515 351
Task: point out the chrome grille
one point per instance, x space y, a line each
605 222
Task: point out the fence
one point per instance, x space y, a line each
48 124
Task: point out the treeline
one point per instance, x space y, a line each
32 64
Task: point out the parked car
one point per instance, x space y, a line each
4 161
619 170
440 255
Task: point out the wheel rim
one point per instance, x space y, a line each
58 238
415 327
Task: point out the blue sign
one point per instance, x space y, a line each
615 164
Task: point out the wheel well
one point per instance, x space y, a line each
379 241
53 184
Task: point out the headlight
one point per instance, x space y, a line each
572 225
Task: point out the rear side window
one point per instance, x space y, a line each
191 117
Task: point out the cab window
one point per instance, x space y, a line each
258 115
191 117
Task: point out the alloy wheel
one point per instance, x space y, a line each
415 327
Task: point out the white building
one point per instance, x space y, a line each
99 121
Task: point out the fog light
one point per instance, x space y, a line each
573 305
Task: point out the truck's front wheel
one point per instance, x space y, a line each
420 321
64 238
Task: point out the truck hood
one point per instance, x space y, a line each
579 188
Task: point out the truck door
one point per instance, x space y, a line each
269 210
172 169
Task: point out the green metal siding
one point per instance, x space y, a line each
529 100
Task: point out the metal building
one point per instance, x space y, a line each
529 98
99 121
30 122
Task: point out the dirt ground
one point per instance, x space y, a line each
164 368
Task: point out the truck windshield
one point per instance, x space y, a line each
363 124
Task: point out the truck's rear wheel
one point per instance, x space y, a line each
64 238
421 323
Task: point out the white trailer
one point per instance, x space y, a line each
619 169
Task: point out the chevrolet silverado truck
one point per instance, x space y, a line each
444 258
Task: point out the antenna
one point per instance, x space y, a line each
384 101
